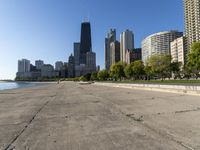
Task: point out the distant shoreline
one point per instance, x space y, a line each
7 85
7 81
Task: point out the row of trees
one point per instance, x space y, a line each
156 67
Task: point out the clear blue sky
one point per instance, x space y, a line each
46 29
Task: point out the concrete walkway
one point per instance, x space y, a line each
70 116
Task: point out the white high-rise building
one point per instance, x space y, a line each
114 52
111 37
59 65
39 64
158 44
192 21
47 70
23 65
126 43
178 50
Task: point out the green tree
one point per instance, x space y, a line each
117 71
103 75
175 69
148 72
186 72
138 69
194 59
94 76
129 71
160 65
88 76
83 78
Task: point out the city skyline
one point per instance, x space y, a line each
80 63
37 41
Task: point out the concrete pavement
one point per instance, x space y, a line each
71 116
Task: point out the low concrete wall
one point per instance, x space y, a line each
191 90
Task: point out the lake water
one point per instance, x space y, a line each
15 85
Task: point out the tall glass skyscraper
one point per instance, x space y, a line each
126 43
86 43
111 37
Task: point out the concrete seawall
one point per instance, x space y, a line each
182 89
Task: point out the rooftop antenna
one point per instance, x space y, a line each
88 17
85 19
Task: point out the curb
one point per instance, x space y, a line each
180 89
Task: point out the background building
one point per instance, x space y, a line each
91 61
64 71
77 53
47 71
98 68
159 43
192 21
58 65
24 68
126 43
86 43
179 50
71 67
33 68
24 65
111 37
114 52
84 58
39 64
83 62
133 55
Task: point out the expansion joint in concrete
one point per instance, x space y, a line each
9 146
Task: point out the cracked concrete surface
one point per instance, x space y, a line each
90 117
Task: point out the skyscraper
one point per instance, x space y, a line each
71 67
114 52
59 65
84 59
192 21
77 53
91 61
47 70
133 55
23 65
39 64
178 50
111 37
86 43
126 43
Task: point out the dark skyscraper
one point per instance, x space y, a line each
71 67
77 53
85 44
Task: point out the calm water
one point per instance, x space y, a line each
15 85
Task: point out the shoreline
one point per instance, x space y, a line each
25 85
